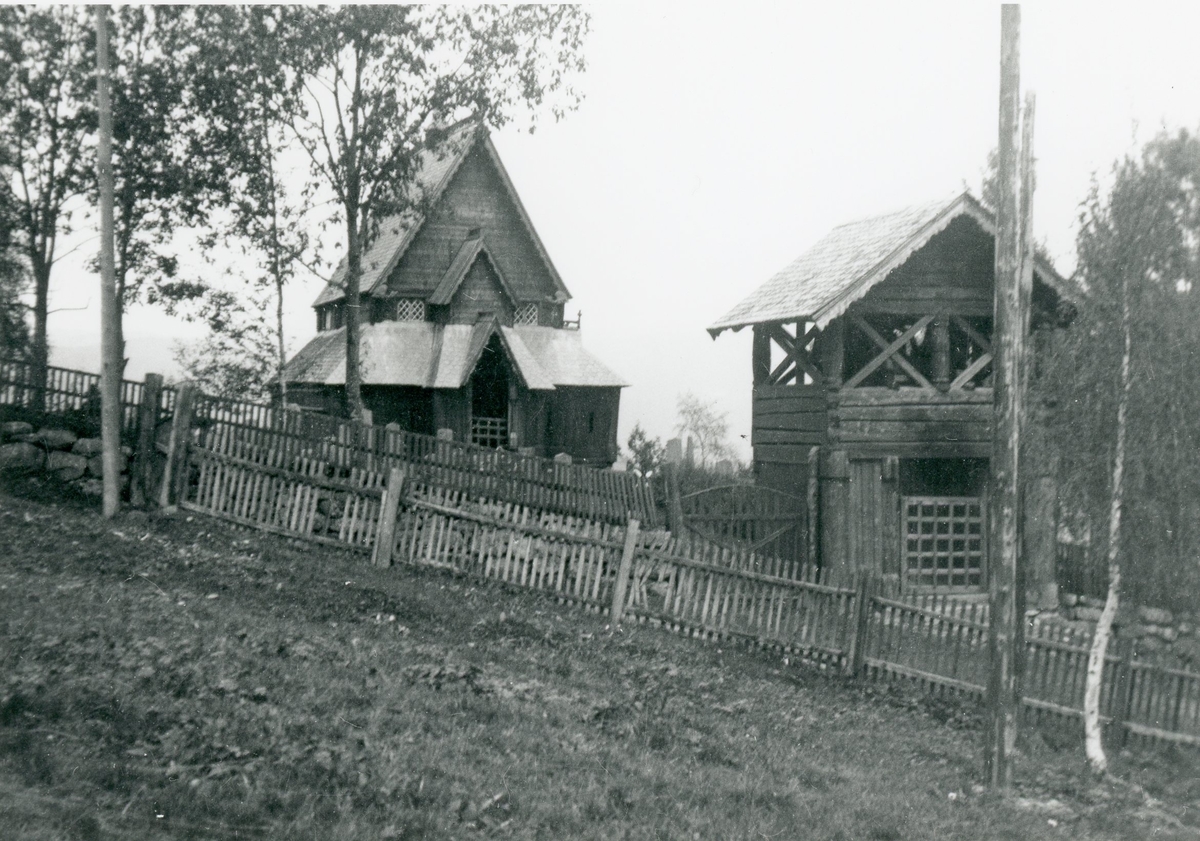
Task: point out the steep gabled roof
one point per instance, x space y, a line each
467 254
396 233
852 258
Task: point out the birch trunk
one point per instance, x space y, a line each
110 306
1093 743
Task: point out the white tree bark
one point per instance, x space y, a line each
1093 744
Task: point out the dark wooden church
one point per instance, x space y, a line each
463 328
872 392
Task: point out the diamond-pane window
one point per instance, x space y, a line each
526 314
410 309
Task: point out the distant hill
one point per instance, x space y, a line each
145 354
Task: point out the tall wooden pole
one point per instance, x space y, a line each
1006 590
110 314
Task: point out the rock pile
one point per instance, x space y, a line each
1170 638
58 452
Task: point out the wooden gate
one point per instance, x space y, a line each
767 521
945 543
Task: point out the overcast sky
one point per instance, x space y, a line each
715 146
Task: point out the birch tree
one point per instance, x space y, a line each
1125 382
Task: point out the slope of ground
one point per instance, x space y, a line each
177 678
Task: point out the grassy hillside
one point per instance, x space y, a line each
175 678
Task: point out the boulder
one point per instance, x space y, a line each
57 439
87 447
1187 649
12 429
95 465
1086 613
1166 632
92 487
1156 616
21 457
66 467
1068 599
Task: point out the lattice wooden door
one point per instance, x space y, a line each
944 543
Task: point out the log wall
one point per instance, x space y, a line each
915 423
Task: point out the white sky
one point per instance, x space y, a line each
715 146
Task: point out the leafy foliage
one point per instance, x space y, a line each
238 357
47 118
1143 231
645 453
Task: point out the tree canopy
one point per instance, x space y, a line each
1143 231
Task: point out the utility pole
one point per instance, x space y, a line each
110 313
1013 272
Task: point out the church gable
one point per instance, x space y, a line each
480 294
477 202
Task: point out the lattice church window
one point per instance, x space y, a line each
526 314
410 309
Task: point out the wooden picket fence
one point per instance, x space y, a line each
66 391
289 439
703 590
286 435
331 490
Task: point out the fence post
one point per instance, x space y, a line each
674 505
862 626
1122 692
143 457
389 509
622 583
812 548
177 444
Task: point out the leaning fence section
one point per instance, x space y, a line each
710 590
284 435
569 557
341 512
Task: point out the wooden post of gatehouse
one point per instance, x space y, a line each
389 509
142 477
623 571
177 444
